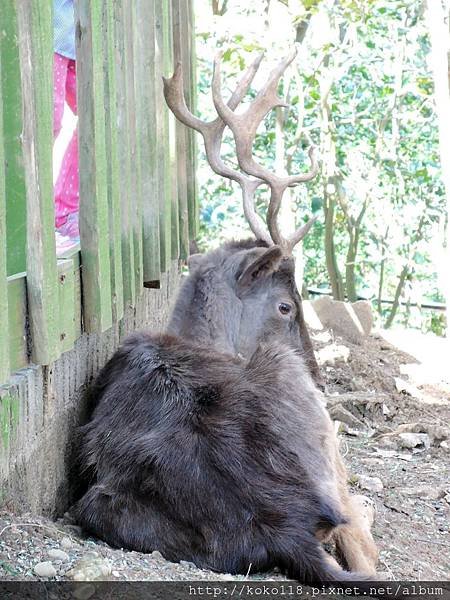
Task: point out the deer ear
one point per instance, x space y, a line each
260 268
194 261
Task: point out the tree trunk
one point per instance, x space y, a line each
350 283
336 283
398 293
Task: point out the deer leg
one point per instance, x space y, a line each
354 541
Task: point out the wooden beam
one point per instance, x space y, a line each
94 212
4 325
162 133
182 136
36 65
135 196
145 87
16 210
113 168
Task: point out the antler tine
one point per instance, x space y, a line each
300 233
244 127
212 135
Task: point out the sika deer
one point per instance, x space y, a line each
211 442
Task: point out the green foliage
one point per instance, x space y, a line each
382 124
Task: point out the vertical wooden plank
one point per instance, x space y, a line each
172 144
17 319
182 138
189 75
66 296
4 325
128 271
147 137
12 131
115 242
135 204
94 226
36 65
162 124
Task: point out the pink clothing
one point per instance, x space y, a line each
66 190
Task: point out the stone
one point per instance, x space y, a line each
414 440
332 353
56 554
339 413
45 569
340 317
372 484
363 310
89 569
423 492
311 318
66 543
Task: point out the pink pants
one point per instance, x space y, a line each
66 190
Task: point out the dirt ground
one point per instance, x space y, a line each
394 433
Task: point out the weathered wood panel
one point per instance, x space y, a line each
162 124
35 37
129 284
94 225
4 326
182 136
136 177
189 74
145 89
12 131
115 243
66 297
135 204
17 319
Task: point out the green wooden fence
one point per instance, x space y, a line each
137 170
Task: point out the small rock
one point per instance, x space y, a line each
324 337
83 591
340 317
45 569
56 554
66 543
89 569
332 353
115 573
373 484
414 440
363 310
424 492
444 445
157 555
339 413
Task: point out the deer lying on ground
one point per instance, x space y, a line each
211 442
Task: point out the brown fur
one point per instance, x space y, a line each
212 444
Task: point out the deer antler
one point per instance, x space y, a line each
212 133
243 127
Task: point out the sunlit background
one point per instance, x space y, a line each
362 90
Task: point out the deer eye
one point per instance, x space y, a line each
284 308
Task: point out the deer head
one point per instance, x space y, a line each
244 294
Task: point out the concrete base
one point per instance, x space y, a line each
46 404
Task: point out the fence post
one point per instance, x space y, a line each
162 124
115 221
145 86
4 324
16 209
94 226
36 56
